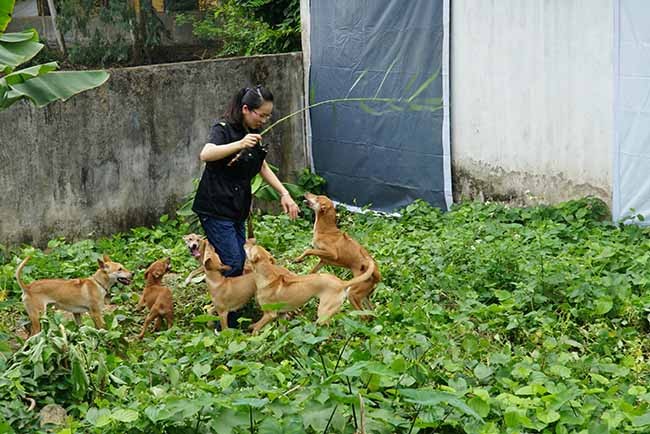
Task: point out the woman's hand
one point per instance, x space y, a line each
250 140
289 206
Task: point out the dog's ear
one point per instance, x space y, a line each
209 264
107 259
322 207
225 267
101 264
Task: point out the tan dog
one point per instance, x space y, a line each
335 247
156 296
227 293
73 295
196 244
286 291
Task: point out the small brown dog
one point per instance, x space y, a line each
279 290
73 295
156 296
335 247
227 293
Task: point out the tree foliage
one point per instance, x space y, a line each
41 84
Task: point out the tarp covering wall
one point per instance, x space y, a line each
389 151
632 112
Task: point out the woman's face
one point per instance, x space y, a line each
254 119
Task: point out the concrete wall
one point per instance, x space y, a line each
532 99
122 155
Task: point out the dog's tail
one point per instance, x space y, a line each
18 271
362 277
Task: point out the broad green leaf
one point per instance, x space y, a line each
642 420
55 86
561 371
482 371
98 416
25 74
375 368
547 415
6 9
432 398
316 416
229 419
200 369
226 380
603 305
251 402
13 54
125 415
481 407
201 319
24 36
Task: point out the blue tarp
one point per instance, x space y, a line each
380 153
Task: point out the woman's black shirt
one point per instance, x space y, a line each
225 191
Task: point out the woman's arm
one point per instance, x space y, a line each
286 201
212 152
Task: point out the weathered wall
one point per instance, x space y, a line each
532 98
122 155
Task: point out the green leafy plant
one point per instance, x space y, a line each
40 83
111 32
489 319
247 27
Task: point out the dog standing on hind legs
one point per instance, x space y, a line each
156 296
73 295
335 247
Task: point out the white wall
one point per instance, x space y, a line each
532 98
632 145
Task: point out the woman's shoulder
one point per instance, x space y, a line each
226 125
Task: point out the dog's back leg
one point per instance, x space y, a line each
34 312
147 320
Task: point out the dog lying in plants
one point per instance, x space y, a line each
72 295
156 296
334 247
280 290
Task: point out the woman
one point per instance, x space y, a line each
233 156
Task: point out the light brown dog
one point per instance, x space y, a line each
196 244
73 295
279 290
335 247
227 293
156 296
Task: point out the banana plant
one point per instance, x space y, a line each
40 83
